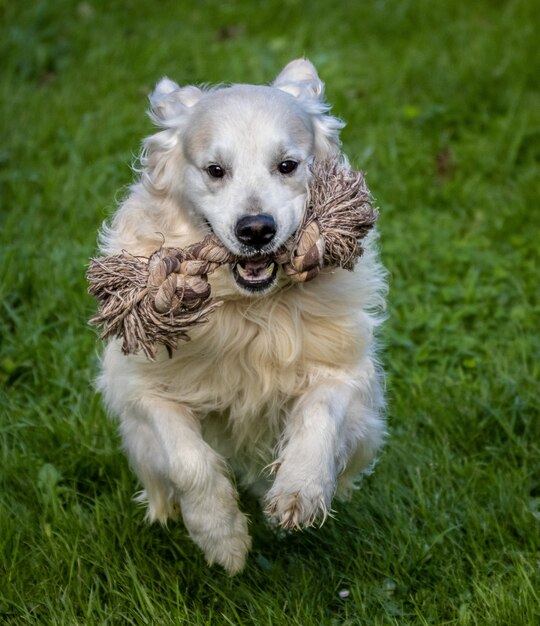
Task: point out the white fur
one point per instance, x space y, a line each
280 390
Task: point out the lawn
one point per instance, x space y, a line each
442 106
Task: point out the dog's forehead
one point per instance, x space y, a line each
238 99
248 111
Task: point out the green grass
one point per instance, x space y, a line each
443 109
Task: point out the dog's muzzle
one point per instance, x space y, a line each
256 271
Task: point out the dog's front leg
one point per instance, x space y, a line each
332 424
180 470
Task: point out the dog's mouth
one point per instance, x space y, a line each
255 274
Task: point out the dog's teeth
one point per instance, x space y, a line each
242 271
269 270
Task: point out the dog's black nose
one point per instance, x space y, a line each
256 230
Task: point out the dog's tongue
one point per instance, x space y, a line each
255 267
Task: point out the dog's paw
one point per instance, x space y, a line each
230 551
225 543
299 508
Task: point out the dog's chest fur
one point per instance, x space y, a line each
243 370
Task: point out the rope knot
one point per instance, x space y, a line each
306 258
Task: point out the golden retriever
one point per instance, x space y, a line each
279 392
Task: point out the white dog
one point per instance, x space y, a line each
280 390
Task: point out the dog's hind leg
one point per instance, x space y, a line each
179 470
334 423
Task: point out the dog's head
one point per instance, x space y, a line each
238 159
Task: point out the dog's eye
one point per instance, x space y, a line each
215 171
287 167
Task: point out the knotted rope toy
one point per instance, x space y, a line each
155 300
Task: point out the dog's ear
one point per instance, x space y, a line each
300 79
168 101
